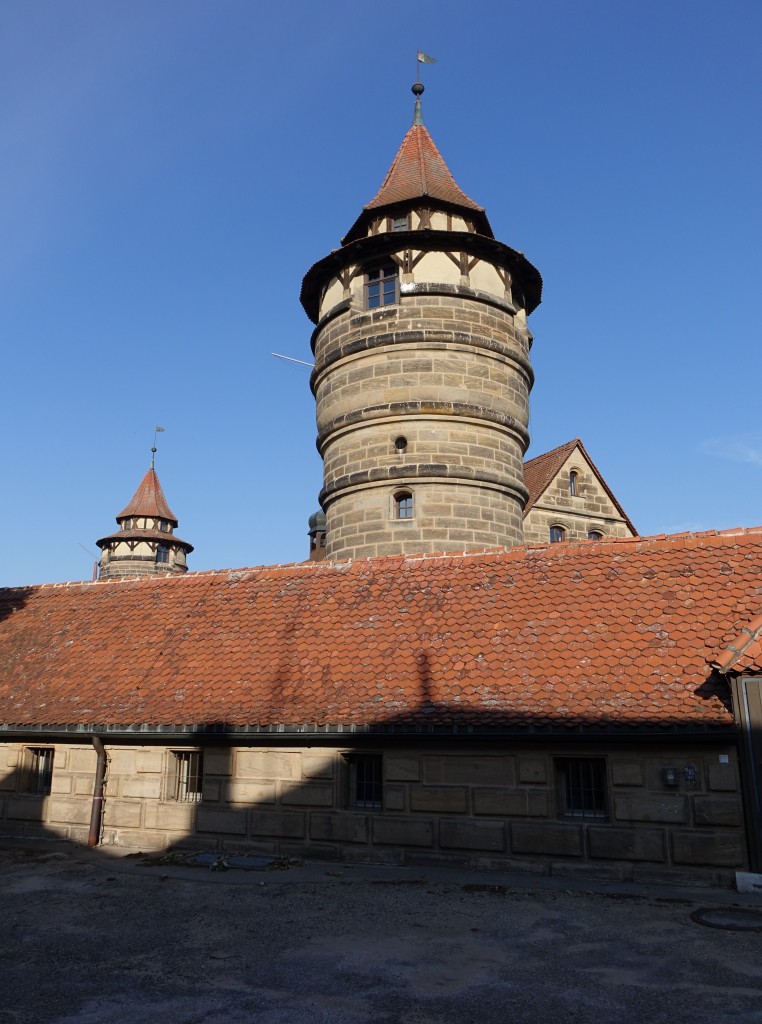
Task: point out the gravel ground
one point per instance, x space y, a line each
88 939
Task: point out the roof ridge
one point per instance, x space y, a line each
327 566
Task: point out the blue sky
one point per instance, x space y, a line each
170 170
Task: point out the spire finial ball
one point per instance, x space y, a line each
417 89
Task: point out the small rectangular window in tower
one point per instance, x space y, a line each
582 787
403 505
399 223
365 781
382 286
38 770
185 776
162 553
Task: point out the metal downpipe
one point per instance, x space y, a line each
96 815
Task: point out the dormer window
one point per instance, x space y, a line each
573 483
382 286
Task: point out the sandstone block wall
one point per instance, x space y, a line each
450 374
670 813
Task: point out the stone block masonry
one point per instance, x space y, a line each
663 811
429 398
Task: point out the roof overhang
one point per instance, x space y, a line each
381 245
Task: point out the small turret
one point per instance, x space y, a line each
317 536
145 543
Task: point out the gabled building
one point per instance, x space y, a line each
569 499
552 708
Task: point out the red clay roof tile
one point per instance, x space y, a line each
149 500
419 170
561 635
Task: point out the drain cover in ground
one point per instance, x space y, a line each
730 918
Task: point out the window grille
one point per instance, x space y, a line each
39 770
188 776
365 781
582 787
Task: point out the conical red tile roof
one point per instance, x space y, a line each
419 170
149 500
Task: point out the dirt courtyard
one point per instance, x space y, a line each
92 939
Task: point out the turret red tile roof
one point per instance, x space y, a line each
619 634
149 500
419 170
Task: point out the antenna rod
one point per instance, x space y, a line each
291 359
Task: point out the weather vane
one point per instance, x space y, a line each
422 58
156 430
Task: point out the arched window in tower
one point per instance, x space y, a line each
573 483
382 286
403 505
557 534
162 553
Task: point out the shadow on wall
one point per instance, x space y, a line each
424 784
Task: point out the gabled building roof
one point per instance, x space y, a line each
540 472
618 635
149 500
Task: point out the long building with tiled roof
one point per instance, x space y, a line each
569 637
489 667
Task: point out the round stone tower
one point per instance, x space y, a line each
422 372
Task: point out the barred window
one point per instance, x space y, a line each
582 787
39 770
365 781
186 776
